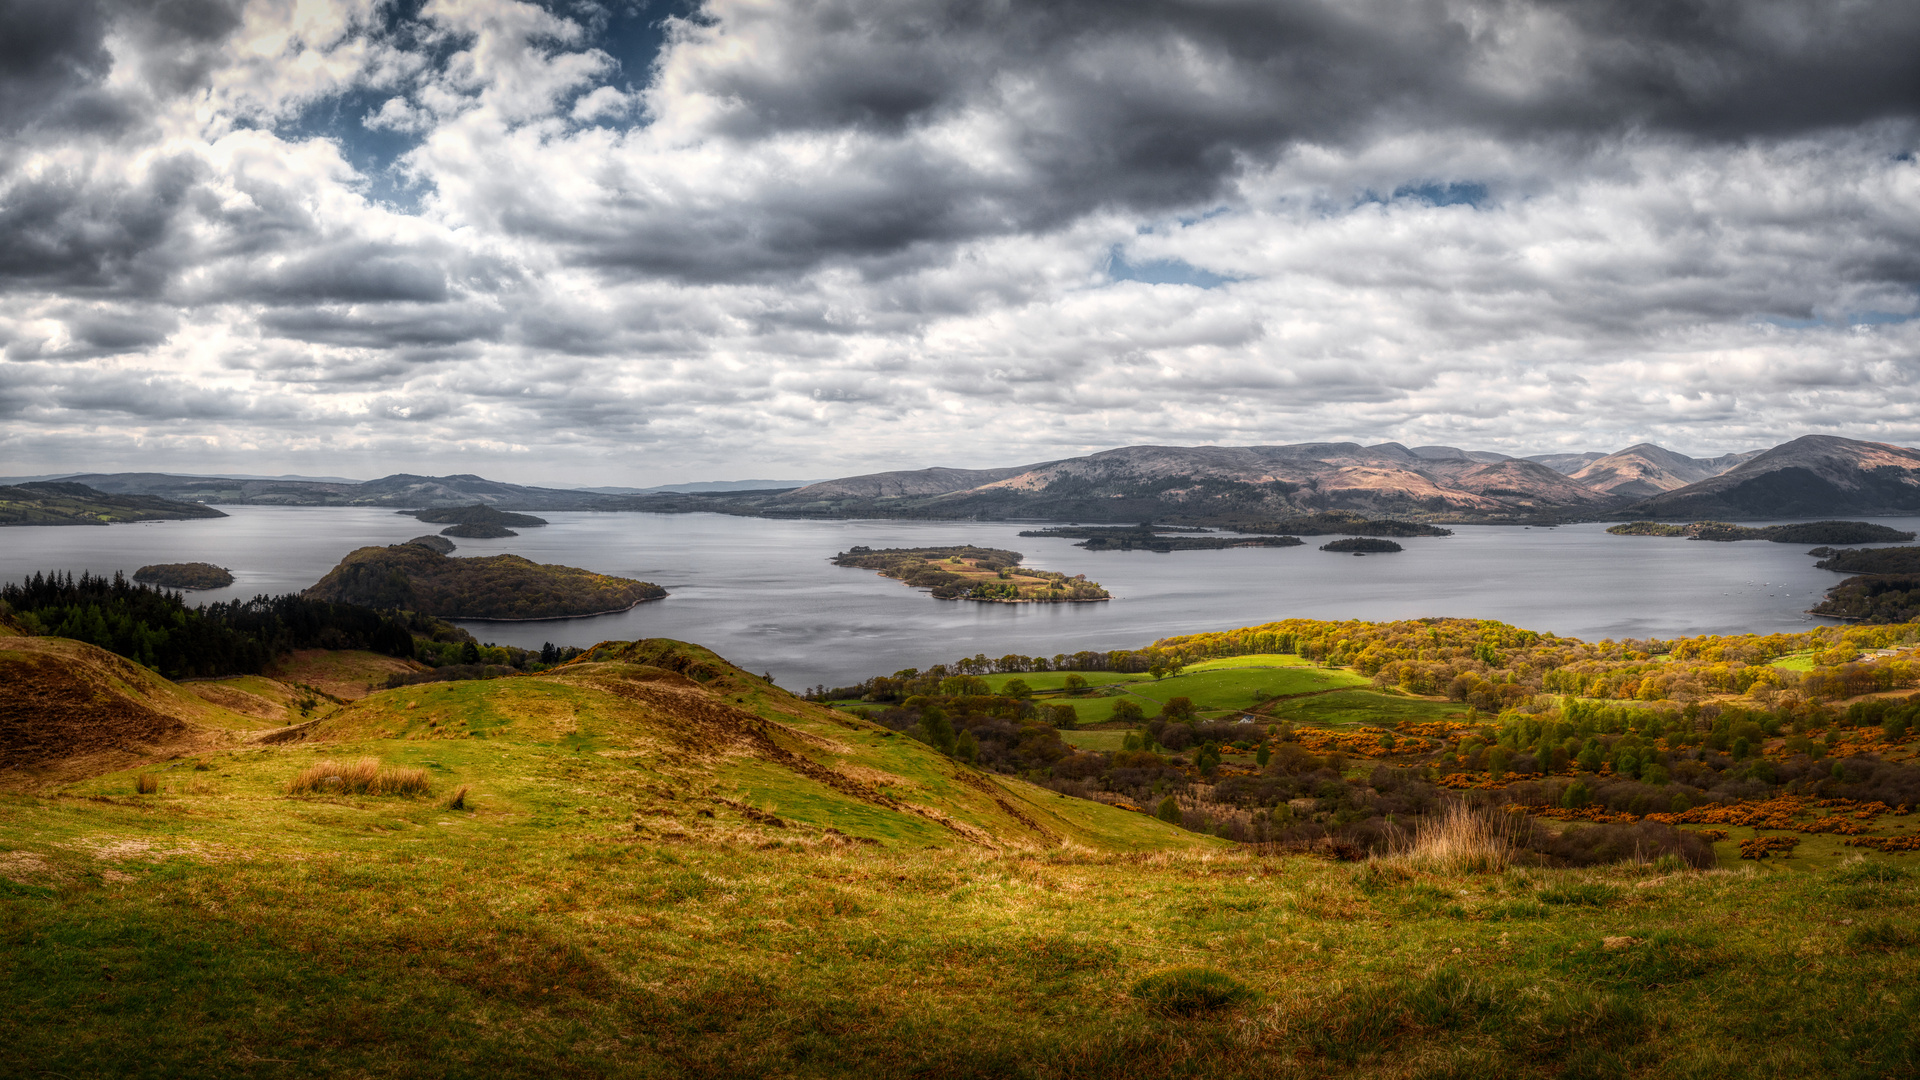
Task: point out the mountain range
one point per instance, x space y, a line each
1255 487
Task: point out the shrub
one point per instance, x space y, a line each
362 777
1462 840
1190 991
1169 810
146 784
1863 872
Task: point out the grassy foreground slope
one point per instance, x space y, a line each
659 867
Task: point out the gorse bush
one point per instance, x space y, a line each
362 777
1190 991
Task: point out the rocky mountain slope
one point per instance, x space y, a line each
1812 476
1216 485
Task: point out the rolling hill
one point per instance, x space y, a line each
64 502
1228 486
1812 476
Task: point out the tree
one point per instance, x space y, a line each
1264 755
1017 688
1128 709
936 727
1076 683
1168 810
1178 708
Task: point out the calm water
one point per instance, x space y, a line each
762 593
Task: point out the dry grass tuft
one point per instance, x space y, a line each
146 784
458 800
362 777
1463 840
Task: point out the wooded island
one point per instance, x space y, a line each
973 573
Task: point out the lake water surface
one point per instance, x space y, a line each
762 593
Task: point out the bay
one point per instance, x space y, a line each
762 593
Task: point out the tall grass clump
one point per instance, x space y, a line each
146 784
1462 840
362 777
1190 991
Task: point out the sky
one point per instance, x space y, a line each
639 243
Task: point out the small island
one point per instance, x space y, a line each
989 575
478 531
184 575
434 543
1346 523
1146 537
1362 545
1806 532
505 588
58 503
477 514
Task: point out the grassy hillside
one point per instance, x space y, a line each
57 503
413 577
650 863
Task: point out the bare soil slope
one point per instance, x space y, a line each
69 710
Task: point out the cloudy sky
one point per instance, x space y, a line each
652 242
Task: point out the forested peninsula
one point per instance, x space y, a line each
973 573
1805 532
61 503
1161 538
413 577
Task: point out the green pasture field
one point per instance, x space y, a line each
1233 688
1254 660
1800 661
1348 708
1103 741
236 932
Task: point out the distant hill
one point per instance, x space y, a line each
1646 470
413 577
1228 486
1567 464
1812 476
64 502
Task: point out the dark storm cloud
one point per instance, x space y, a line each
66 229
966 119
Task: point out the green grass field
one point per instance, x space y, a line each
234 932
1348 708
653 876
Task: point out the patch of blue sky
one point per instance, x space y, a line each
1433 193
1161 271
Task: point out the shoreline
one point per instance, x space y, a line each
552 618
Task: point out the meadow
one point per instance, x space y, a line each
650 863
219 927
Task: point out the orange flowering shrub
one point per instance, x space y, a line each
1889 844
1598 814
1761 847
